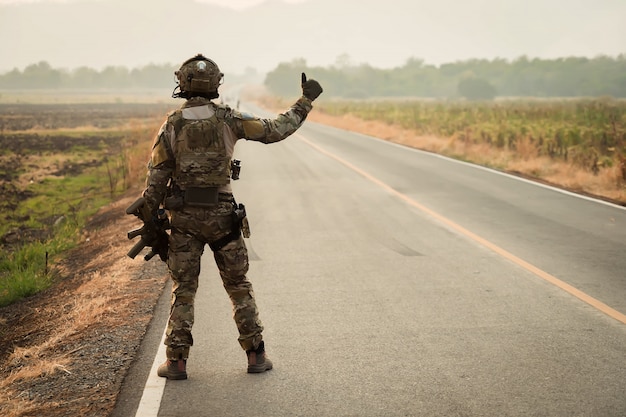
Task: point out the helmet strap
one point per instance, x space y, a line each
177 92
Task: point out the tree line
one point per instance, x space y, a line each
473 79
42 76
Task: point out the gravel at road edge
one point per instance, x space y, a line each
52 364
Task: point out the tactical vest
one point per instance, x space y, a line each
202 162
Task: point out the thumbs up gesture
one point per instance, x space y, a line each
311 89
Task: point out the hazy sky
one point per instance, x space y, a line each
241 4
233 4
263 33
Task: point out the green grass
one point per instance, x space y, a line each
64 196
59 211
67 201
52 218
26 271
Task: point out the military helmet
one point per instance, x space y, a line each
198 76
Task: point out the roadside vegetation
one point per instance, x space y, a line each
59 164
590 134
577 144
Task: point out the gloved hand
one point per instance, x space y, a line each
161 246
311 89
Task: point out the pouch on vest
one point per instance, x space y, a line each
201 157
201 196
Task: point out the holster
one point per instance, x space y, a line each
240 218
239 224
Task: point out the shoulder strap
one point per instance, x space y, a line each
176 119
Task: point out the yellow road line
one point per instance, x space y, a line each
599 305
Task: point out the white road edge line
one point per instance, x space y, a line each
480 167
150 402
597 304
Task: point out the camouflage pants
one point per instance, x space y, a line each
192 230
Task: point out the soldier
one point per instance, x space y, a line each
189 174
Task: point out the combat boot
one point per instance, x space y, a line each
257 360
173 369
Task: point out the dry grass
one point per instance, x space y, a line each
85 307
128 169
33 365
136 157
103 291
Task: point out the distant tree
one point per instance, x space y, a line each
11 79
152 76
41 75
280 80
474 88
114 77
83 77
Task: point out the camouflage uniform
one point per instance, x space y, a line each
194 227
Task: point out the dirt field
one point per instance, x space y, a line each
39 142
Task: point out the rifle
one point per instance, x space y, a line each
153 232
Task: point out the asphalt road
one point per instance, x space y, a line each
394 282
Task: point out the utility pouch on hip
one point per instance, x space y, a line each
245 227
240 226
201 196
240 219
